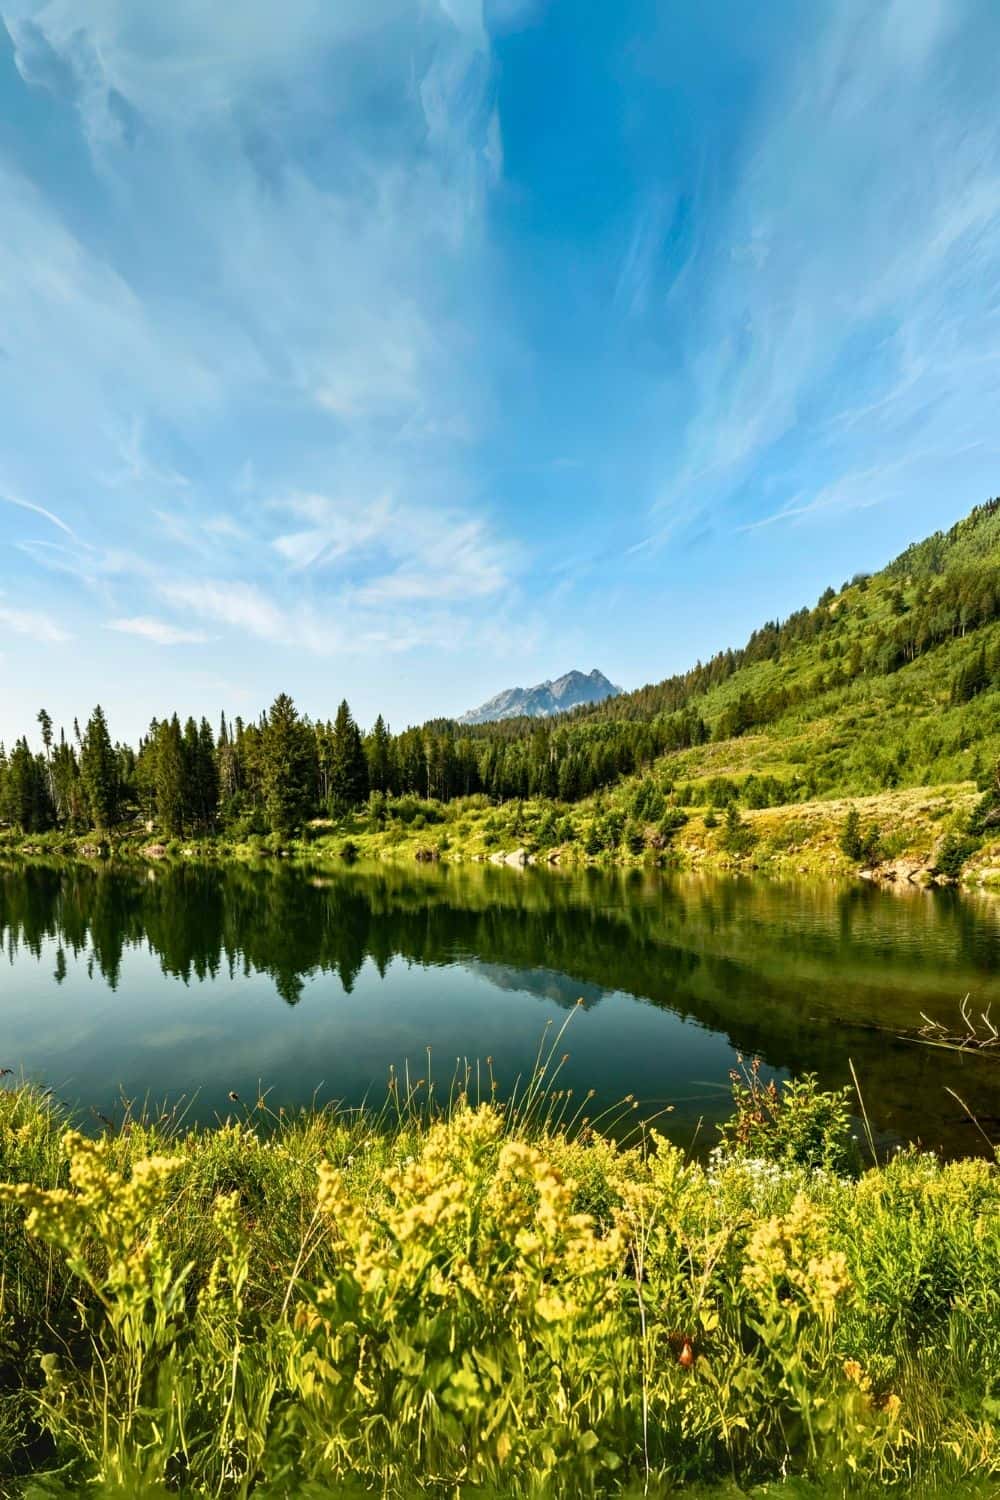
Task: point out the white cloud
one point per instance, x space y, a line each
236 603
385 550
298 306
452 560
31 622
38 510
161 632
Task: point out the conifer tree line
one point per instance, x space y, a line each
278 772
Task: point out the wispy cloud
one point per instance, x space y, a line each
860 254
38 510
450 560
33 623
160 632
278 288
229 602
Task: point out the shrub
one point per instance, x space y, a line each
796 1121
953 853
863 847
546 830
670 824
647 801
720 791
635 838
736 837
850 835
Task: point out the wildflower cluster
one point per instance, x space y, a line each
462 1304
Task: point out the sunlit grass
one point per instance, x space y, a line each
463 1295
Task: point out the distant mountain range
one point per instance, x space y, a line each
544 699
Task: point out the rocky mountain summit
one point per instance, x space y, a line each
546 698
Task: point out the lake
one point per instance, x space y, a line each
153 984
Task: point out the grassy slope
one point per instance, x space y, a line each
893 745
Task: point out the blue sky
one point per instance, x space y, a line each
409 351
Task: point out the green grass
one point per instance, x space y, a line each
799 838
475 1298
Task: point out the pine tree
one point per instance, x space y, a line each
171 778
191 808
45 724
288 767
207 776
851 842
67 791
348 763
99 773
25 795
378 750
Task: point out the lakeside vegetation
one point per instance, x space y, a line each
492 1299
890 684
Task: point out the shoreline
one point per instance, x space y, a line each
791 841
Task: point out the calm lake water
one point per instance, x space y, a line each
196 981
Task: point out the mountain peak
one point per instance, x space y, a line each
553 696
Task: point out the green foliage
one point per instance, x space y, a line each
99 773
851 842
796 1121
864 846
347 771
288 767
673 820
635 838
955 849
736 837
472 1304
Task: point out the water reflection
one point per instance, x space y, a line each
165 979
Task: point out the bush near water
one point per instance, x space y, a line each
493 1300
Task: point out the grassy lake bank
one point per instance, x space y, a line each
476 1302
905 830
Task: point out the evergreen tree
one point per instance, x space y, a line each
228 762
348 778
378 751
288 767
99 773
45 723
67 790
207 776
171 778
851 842
25 794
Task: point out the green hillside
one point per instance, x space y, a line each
888 686
893 680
